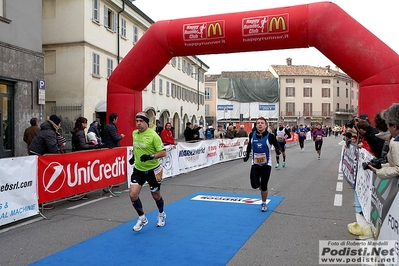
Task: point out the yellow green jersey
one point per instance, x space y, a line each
147 142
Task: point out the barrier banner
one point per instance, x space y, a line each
192 156
349 163
18 197
378 206
390 225
170 162
364 183
384 193
65 175
294 137
230 149
212 152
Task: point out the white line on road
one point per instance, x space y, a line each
340 186
338 200
84 204
340 177
21 224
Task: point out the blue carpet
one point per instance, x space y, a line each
208 230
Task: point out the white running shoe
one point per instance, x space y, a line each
140 223
263 207
161 219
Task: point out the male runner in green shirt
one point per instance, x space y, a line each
147 148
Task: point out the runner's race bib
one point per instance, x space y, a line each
260 158
158 172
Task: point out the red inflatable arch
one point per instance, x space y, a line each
324 25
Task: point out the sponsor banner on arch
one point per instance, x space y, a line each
61 176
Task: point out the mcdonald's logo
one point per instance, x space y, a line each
215 30
278 24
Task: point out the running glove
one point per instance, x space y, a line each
147 157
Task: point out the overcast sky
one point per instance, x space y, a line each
378 16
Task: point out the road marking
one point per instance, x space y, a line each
340 177
338 200
86 203
21 224
339 186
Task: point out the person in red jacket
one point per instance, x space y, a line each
167 135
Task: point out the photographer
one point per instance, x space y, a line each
390 169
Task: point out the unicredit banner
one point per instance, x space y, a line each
65 175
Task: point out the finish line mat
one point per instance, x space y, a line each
205 228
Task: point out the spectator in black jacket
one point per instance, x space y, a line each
79 137
188 132
111 138
45 140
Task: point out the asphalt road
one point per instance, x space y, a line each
290 236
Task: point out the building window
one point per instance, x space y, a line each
173 61
325 92
178 92
337 106
110 19
346 92
160 86
207 110
290 109
135 34
291 80
178 63
325 81
290 91
123 28
184 67
167 88
307 109
191 72
307 81
153 86
325 109
173 90
110 67
96 10
337 91
184 94
346 106
96 65
208 93
307 92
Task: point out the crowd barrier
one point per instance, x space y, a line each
28 181
378 197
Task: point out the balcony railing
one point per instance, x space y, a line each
344 111
307 114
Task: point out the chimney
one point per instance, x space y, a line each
328 68
337 68
289 61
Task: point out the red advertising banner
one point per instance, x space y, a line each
64 175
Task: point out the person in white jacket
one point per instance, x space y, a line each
390 169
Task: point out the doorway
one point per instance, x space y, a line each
7 120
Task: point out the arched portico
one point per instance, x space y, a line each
324 25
